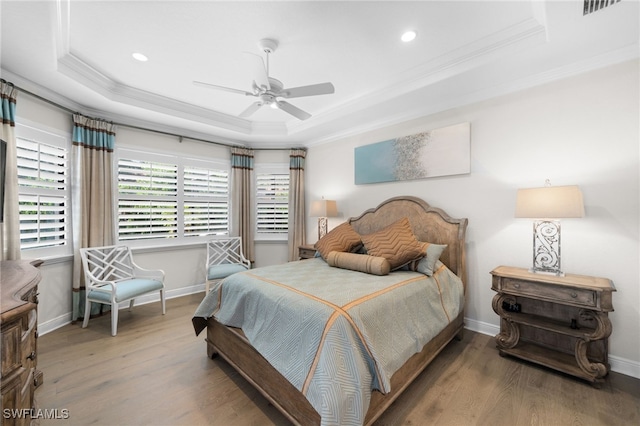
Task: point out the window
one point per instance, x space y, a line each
164 197
272 201
206 201
148 199
43 191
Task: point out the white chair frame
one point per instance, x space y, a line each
223 251
107 267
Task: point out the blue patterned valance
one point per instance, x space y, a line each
8 110
93 133
242 158
296 159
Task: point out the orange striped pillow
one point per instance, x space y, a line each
396 243
342 238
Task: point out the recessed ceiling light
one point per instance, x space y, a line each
408 36
139 57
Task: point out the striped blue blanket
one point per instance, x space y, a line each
336 334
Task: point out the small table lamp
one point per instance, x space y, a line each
545 204
322 209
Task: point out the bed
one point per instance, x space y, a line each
311 393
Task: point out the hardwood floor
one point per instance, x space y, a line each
156 372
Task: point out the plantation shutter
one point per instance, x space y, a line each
206 201
272 203
148 200
42 194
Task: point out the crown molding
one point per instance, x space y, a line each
71 65
628 53
520 36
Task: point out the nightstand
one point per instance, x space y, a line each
558 322
306 251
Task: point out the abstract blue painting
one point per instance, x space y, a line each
439 152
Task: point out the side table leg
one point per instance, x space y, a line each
509 332
603 329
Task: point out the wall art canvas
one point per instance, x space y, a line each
440 152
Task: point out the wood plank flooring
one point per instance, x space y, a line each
156 372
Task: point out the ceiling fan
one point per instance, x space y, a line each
270 91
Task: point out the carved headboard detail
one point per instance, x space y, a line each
429 224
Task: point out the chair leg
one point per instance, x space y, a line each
131 304
114 319
164 310
87 313
206 287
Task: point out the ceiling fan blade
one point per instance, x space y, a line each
226 89
293 110
249 111
261 77
311 90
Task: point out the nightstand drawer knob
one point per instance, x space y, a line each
574 295
516 285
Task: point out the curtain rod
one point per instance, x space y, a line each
180 137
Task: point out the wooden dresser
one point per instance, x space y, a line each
558 322
18 320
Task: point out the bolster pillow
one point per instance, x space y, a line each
359 262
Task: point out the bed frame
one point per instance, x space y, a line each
429 224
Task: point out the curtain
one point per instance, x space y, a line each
297 214
10 226
93 213
242 198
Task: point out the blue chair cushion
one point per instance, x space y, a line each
126 290
223 270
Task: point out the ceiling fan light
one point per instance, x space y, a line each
409 36
274 105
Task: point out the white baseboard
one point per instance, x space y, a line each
62 320
618 364
54 324
624 366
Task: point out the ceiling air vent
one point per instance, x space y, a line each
591 6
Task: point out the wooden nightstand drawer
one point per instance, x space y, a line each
306 251
549 292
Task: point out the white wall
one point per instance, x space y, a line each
583 130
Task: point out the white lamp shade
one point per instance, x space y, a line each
324 208
550 202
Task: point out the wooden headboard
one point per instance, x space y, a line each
429 224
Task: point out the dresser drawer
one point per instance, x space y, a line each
558 294
11 347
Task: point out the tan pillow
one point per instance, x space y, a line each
341 238
396 243
359 262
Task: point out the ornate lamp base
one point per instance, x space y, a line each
546 247
322 227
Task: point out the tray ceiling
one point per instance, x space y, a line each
79 55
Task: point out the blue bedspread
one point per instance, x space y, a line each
336 334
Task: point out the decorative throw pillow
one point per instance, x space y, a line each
427 265
396 243
359 262
342 238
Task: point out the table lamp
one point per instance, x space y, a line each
323 209
546 205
